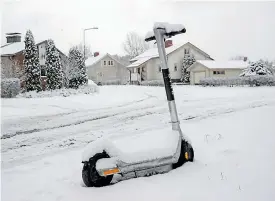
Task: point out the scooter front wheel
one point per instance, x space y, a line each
90 176
186 154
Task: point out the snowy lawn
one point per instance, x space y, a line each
232 130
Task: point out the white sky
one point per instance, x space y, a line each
222 29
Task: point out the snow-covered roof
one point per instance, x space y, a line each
13 48
221 64
153 53
93 60
139 62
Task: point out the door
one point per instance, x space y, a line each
198 76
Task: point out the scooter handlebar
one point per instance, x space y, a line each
150 36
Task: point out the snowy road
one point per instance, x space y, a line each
42 141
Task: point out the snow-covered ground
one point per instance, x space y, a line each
232 131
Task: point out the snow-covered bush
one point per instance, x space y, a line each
111 82
53 67
256 68
31 64
10 87
153 83
187 61
77 69
256 80
83 89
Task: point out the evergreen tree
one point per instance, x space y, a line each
187 61
31 64
256 68
77 72
53 67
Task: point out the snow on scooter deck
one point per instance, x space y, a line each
134 148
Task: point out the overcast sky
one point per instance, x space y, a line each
222 29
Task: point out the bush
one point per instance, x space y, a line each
153 83
111 82
255 80
83 89
10 87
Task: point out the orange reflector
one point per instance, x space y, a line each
186 155
111 171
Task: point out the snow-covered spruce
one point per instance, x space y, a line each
31 64
77 69
53 67
256 68
187 61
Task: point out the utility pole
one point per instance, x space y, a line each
84 39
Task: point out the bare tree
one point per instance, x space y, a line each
88 51
239 57
134 44
10 68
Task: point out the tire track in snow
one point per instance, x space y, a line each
79 114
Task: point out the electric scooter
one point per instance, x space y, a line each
148 153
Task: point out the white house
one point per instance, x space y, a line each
106 69
207 68
146 66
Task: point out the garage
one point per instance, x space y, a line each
198 76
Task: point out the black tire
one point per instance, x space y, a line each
185 148
90 176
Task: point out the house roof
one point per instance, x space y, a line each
210 64
153 53
94 60
14 48
138 62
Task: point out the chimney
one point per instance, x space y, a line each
168 43
96 54
245 59
13 37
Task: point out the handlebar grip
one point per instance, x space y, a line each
150 38
173 33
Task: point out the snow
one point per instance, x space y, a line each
167 26
139 62
231 128
223 64
136 148
12 48
93 60
65 92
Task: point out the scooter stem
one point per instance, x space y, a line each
159 34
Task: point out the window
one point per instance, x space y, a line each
175 67
186 51
138 70
218 72
159 68
43 71
104 63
